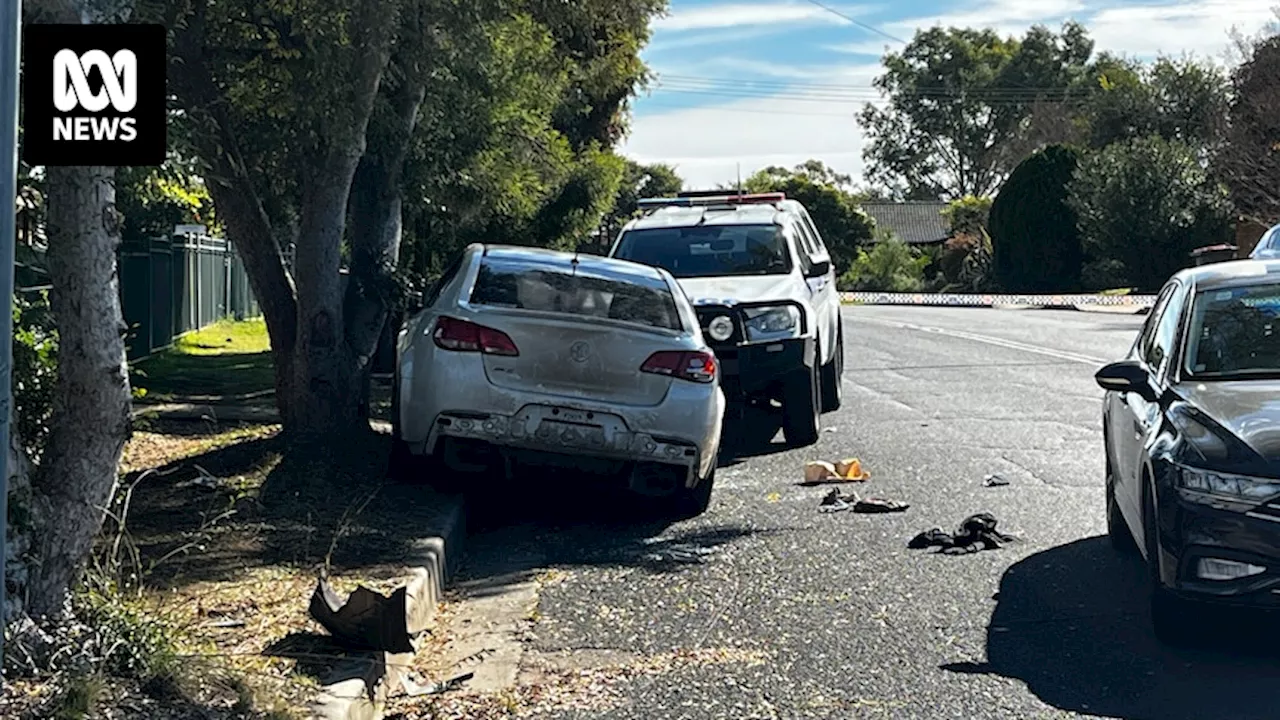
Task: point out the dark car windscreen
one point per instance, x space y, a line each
709 250
1235 332
568 290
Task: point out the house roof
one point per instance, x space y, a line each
915 223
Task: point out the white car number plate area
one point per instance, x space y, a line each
573 427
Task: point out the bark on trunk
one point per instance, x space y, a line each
326 379
377 224
91 410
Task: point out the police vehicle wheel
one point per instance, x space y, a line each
689 503
801 409
832 373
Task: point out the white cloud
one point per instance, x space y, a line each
1201 28
870 48
1007 16
707 144
731 15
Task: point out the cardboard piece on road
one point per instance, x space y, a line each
821 472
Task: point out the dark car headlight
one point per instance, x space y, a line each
780 322
1234 486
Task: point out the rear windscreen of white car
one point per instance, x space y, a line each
709 250
569 290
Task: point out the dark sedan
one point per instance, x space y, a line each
1191 422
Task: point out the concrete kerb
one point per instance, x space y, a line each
360 687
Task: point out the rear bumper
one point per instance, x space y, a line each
455 400
526 431
1197 531
760 369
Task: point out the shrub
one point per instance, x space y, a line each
890 266
1034 233
1147 203
35 368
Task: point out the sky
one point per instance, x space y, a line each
753 83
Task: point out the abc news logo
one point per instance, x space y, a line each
94 95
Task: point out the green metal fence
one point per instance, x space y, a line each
169 286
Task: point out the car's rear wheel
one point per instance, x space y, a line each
801 407
832 373
689 503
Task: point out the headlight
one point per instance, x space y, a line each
720 328
772 323
1239 486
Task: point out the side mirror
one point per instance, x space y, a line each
820 268
1127 376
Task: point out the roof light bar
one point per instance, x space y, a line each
704 200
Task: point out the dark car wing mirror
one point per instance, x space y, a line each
820 268
1127 376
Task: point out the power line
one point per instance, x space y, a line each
859 23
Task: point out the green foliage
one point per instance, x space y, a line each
1181 100
1249 161
35 369
127 642
1034 231
967 215
153 200
958 99
1147 203
889 266
829 198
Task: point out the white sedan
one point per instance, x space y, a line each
524 356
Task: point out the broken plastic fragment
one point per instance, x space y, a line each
994 481
851 469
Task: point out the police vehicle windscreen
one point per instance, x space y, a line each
709 250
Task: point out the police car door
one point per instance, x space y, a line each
822 284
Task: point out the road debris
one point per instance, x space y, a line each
835 501
369 620
977 532
880 505
820 472
994 480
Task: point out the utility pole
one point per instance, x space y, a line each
10 57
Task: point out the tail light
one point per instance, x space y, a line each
695 366
463 336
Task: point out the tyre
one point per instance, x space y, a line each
801 407
689 503
1117 529
832 373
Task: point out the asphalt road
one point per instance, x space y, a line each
851 623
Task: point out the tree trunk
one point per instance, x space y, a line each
377 227
91 408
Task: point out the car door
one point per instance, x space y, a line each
1138 420
822 288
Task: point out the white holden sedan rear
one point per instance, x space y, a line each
543 358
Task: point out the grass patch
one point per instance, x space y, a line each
227 360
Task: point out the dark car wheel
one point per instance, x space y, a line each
689 503
1117 529
801 409
832 372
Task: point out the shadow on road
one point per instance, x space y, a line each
1072 623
